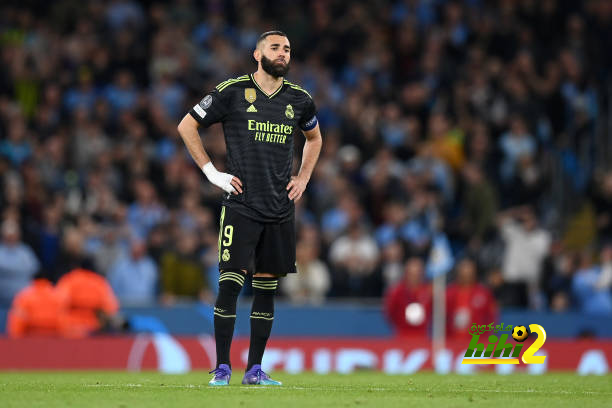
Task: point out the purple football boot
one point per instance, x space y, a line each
222 375
256 376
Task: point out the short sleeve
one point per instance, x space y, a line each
211 109
308 121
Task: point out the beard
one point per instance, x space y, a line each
274 69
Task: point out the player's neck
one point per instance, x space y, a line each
267 82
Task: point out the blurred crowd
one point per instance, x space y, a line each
454 132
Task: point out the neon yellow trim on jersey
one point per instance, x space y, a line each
264 92
299 88
231 81
222 83
234 81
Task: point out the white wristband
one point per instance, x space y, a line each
219 179
209 169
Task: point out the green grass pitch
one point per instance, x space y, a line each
363 389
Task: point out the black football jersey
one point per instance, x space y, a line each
259 131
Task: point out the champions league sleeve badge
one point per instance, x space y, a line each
205 103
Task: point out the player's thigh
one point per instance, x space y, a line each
238 237
275 252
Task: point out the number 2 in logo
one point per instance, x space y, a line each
528 356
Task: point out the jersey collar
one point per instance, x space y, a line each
270 96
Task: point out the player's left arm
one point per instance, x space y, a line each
310 155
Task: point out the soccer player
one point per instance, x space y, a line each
260 113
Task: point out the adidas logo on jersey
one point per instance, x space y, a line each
251 109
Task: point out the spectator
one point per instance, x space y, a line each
311 283
556 283
592 285
354 257
72 254
527 245
337 219
133 277
17 262
108 248
445 144
122 94
183 273
146 212
92 305
89 140
392 263
17 148
407 305
422 222
467 301
170 95
38 310
479 205
49 237
82 96
395 215
514 144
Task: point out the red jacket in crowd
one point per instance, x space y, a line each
466 305
408 309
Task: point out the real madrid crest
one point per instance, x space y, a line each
250 95
289 112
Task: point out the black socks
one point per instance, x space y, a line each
230 284
262 316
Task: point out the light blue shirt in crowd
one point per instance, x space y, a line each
134 281
18 264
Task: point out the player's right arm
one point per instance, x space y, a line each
188 129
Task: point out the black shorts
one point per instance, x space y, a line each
245 244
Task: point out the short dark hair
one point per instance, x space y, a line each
268 33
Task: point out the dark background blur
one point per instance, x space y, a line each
451 129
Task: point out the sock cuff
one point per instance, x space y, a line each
232 276
266 284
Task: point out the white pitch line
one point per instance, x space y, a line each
285 387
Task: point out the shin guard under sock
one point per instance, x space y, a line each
230 284
262 316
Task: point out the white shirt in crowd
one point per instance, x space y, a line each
525 251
